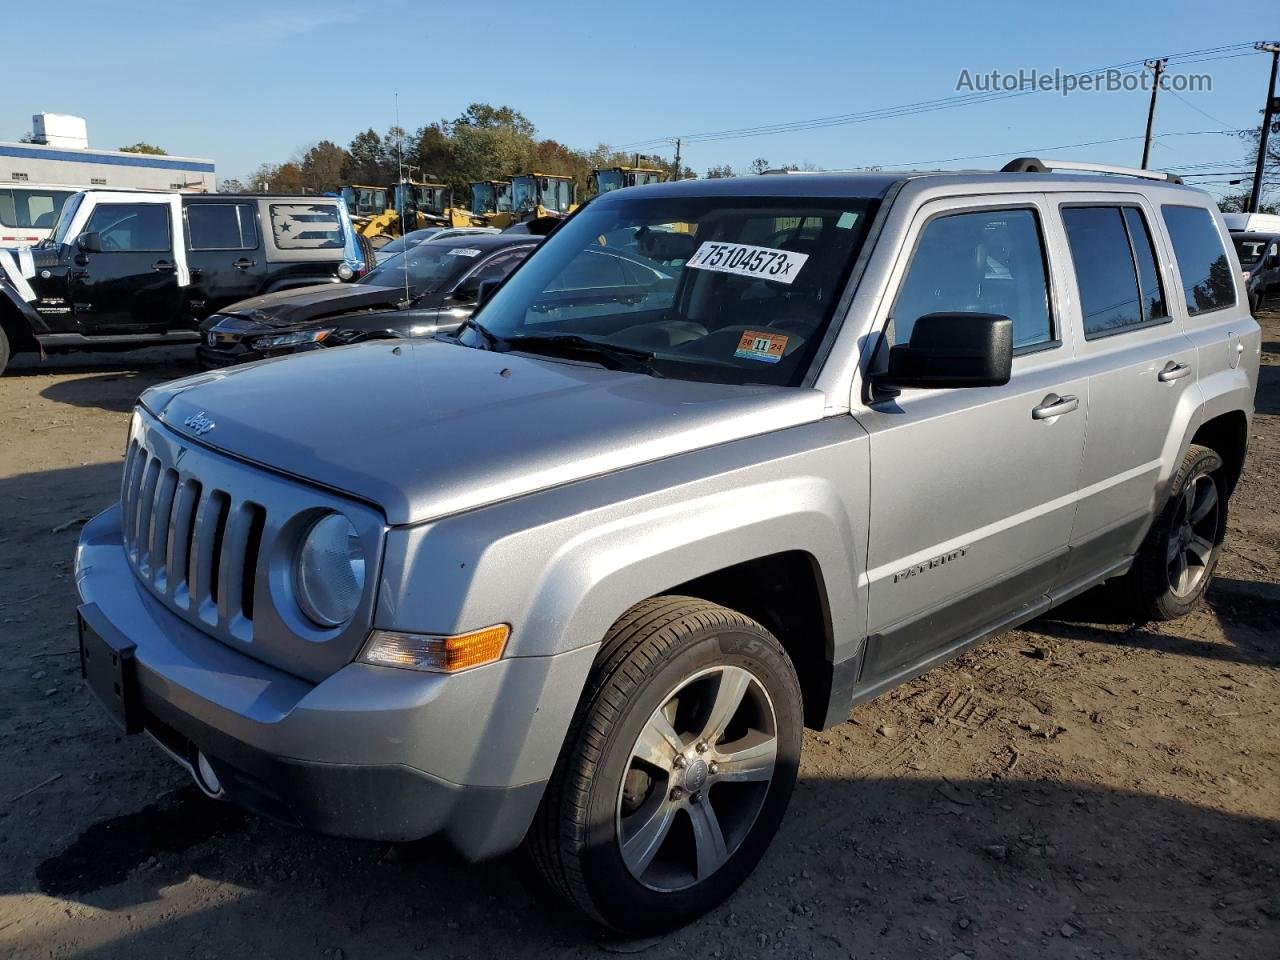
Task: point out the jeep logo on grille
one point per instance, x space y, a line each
199 423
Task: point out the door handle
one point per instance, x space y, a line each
163 266
244 264
1173 371
1054 406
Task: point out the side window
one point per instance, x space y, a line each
131 227
221 226
1115 269
990 261
22 207
588 270
498 267
1207 282
306 226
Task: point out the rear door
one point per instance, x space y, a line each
972 489
224 249
131 284
1141 369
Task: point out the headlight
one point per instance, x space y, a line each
329 575
298 338
345 272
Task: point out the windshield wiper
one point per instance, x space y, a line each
612 356
491 340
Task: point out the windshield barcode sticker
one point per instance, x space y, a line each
464 252
764 263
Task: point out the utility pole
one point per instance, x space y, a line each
1268 113
677 176
1157 67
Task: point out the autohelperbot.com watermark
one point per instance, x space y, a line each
1114 80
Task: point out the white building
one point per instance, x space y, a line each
61 156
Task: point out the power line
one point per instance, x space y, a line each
923 106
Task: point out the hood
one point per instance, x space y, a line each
288 307
425 429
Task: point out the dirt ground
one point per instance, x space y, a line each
1072 790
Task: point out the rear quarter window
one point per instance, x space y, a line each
1208 282
306 226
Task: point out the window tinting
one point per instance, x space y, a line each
991 261
1153 303
1106 274
221 226
21 207
1207 282
306 226
131 226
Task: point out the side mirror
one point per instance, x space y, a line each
952 350
89 242
485 291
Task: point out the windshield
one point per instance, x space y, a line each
524 194
59 234
737 290
1249 251
482 198
607 180
431 266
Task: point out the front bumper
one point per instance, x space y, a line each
370 752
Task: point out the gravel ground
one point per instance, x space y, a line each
1076 789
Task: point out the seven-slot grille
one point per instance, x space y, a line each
195 546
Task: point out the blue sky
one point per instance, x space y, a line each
246 82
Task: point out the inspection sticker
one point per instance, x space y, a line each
464 252
765 263
767 347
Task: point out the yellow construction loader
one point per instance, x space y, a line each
538 195
491 203
615 178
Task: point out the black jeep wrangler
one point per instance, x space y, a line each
128 269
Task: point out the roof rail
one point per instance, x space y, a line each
1036 165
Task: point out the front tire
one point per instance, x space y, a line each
1178 558
4 351
677 768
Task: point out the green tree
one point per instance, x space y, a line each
717 173
488 117
366 157
143 147
321 166
259 181
231 185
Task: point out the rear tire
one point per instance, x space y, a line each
1180 553
4 351
677 768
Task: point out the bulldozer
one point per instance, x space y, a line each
491 203
615 178
380 213
538 195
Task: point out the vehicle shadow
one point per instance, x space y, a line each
908 866
107 381
1245 612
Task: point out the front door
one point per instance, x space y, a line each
130 285
224 250
972 489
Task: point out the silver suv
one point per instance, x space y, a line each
577 577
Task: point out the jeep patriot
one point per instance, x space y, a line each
577 576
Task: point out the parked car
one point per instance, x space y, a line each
578 576
127 269
1259 255
431 289
415 237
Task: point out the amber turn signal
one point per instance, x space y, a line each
416 651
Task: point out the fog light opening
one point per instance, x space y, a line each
203 773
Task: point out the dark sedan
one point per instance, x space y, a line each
429 289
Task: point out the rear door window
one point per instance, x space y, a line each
1207 281
306 226
221 226
1115 269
